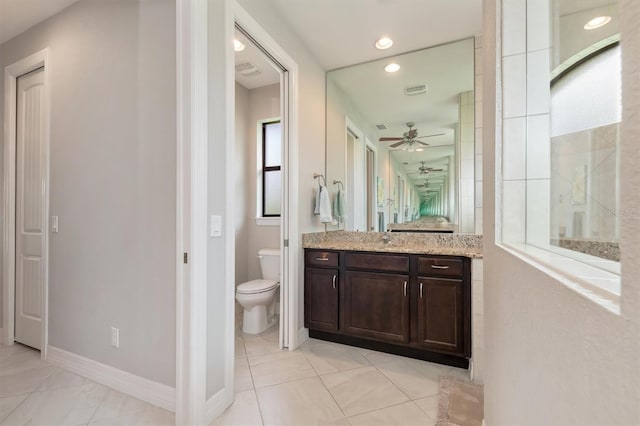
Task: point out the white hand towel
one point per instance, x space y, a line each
339 207
323 205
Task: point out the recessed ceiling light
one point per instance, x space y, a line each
392 67
238 46
384 43
598 22
419 149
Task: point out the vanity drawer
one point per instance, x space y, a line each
378 262
321 258
441 266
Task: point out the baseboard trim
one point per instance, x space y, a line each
217 404
147 390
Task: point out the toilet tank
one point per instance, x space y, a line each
270 264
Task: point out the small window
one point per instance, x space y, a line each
271 168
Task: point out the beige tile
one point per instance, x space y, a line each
66 406
8 350
260 344
62 379
149 417
377 358
279 367
25 381
326 357
21 360
117 405
361 390
429 405
8 404
304 402
415 378
407 414
243 412
239 347
243 380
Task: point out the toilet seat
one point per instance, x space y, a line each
257 286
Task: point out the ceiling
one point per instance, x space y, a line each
340 32
269 73
378 96
17 16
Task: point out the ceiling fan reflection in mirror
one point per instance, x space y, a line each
424 170
409 139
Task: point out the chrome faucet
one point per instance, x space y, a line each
386 238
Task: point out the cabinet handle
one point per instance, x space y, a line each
322 259
405 288
439 267
334 281
420 290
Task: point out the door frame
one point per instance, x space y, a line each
11 74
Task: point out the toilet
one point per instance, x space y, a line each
257 296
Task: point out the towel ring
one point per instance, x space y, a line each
339 183
319 176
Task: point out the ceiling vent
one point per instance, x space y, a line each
247 69
381 126
415 90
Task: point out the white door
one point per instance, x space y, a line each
30 208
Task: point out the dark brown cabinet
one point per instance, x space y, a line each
408 304
376 305
440 314
321 299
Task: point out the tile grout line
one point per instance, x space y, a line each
325 385
253 384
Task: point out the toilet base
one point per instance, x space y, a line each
255 320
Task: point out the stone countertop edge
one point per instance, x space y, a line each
465 245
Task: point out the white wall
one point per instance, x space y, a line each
264 102
243 166
113 180
551 355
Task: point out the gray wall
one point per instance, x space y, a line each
264 102
113 180
251 105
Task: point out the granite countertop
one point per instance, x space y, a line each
467 245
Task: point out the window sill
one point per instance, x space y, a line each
600 286
268 221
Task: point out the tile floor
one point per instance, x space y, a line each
325 383
35 392
322 383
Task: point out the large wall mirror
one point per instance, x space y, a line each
400 142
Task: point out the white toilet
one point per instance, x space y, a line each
257 296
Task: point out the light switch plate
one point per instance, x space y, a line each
215 226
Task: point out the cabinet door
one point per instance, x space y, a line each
440 314
321 299
376 305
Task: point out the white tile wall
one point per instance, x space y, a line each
538 27
538 209
538 78
514 14
538 147
514 83
477 319
514 148
478 135
513 210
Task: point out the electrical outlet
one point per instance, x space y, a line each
115 337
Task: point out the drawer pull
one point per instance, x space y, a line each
334 281
439 267
322 259
405 288
420 290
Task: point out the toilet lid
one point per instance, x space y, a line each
257 286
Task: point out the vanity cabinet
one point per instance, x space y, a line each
408 304
321 291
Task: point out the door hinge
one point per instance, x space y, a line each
286 243
185 258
